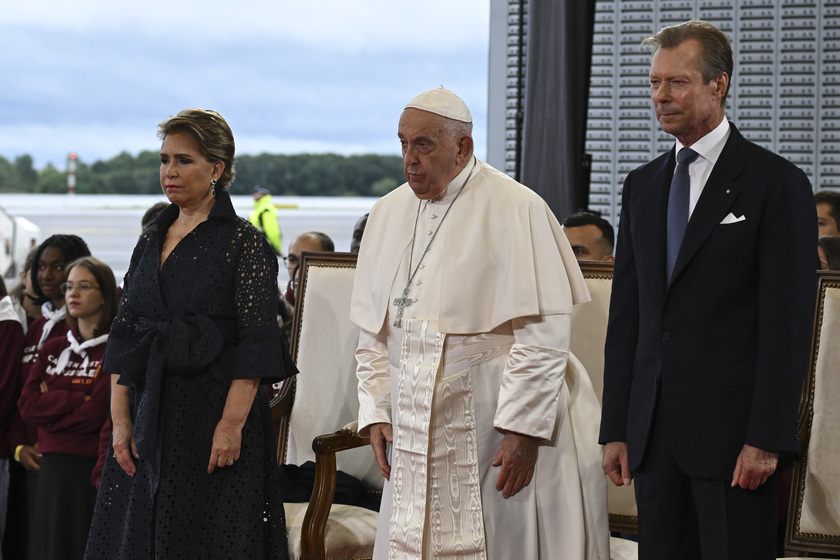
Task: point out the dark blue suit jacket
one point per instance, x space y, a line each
726 344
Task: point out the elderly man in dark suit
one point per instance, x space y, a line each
710 317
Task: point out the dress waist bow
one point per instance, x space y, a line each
179 346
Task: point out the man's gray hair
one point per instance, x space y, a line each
716 58
455 128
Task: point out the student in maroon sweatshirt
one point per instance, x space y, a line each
67 398
46 271
11 349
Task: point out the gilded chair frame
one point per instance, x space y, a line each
799 539
619 522
325 446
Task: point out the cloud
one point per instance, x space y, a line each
96 77
358 26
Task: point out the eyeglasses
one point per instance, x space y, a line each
81 286
291 261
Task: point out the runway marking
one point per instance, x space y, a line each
81 231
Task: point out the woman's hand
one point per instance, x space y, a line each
30 458
124 446
227 443
227 439
123 428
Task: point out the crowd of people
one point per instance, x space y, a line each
136 423
116 399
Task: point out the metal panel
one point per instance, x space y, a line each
785 94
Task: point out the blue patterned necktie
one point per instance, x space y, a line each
678 207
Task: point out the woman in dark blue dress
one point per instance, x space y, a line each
189 471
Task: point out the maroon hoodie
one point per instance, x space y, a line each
65 421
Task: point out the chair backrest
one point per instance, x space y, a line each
325 396
589 333
589 321
814 513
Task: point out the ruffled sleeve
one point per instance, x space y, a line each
261 351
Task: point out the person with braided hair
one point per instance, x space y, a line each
47 273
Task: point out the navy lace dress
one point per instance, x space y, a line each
184 331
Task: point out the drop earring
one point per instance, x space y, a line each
213 184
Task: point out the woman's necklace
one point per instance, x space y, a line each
404 301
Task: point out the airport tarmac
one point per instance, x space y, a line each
111 224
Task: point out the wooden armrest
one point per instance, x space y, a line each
341 440
323 492
281 405
624 523
281 412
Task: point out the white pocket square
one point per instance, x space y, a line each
731 219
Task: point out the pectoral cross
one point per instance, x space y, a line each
402 302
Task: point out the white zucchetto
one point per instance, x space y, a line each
441 102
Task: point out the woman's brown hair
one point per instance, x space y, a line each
107 287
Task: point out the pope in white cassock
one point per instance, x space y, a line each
464 288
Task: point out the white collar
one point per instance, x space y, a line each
450 191
711 145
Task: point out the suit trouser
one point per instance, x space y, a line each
686 517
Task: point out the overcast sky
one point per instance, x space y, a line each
96 76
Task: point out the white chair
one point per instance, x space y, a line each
319 400
814 514
589 333
589 321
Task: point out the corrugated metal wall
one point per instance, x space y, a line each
785 93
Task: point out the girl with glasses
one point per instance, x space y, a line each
46 272
66 397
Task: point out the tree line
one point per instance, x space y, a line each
292 175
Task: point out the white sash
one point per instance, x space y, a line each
446 477
78 349
53 317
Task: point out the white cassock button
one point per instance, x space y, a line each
429 232
422 266
419 282
434 216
